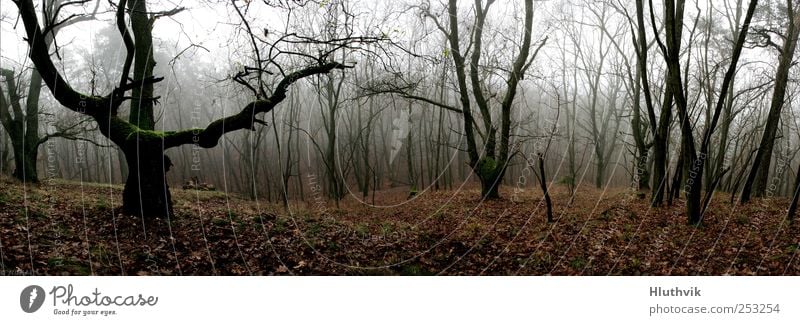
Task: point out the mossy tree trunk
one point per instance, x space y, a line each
490 166
146 191
490 172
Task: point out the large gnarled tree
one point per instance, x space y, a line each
146 191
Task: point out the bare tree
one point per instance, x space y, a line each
23 126
146 191
694 160
756 182
489 164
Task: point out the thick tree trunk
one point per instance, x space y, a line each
660 181
490 172
4 160
641 172
600 175
25 161
676 184
660 148
490 188
146 192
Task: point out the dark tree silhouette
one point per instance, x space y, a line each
146 191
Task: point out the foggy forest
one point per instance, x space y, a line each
413 137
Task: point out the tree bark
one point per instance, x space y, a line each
543 184
146 191
141 105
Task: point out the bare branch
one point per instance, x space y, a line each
209 137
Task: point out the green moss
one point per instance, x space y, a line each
578 263
102 252
280 224
487 165
145 135
386 228
488 168
101 204
314 229
362 230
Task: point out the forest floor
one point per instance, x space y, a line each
63 228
